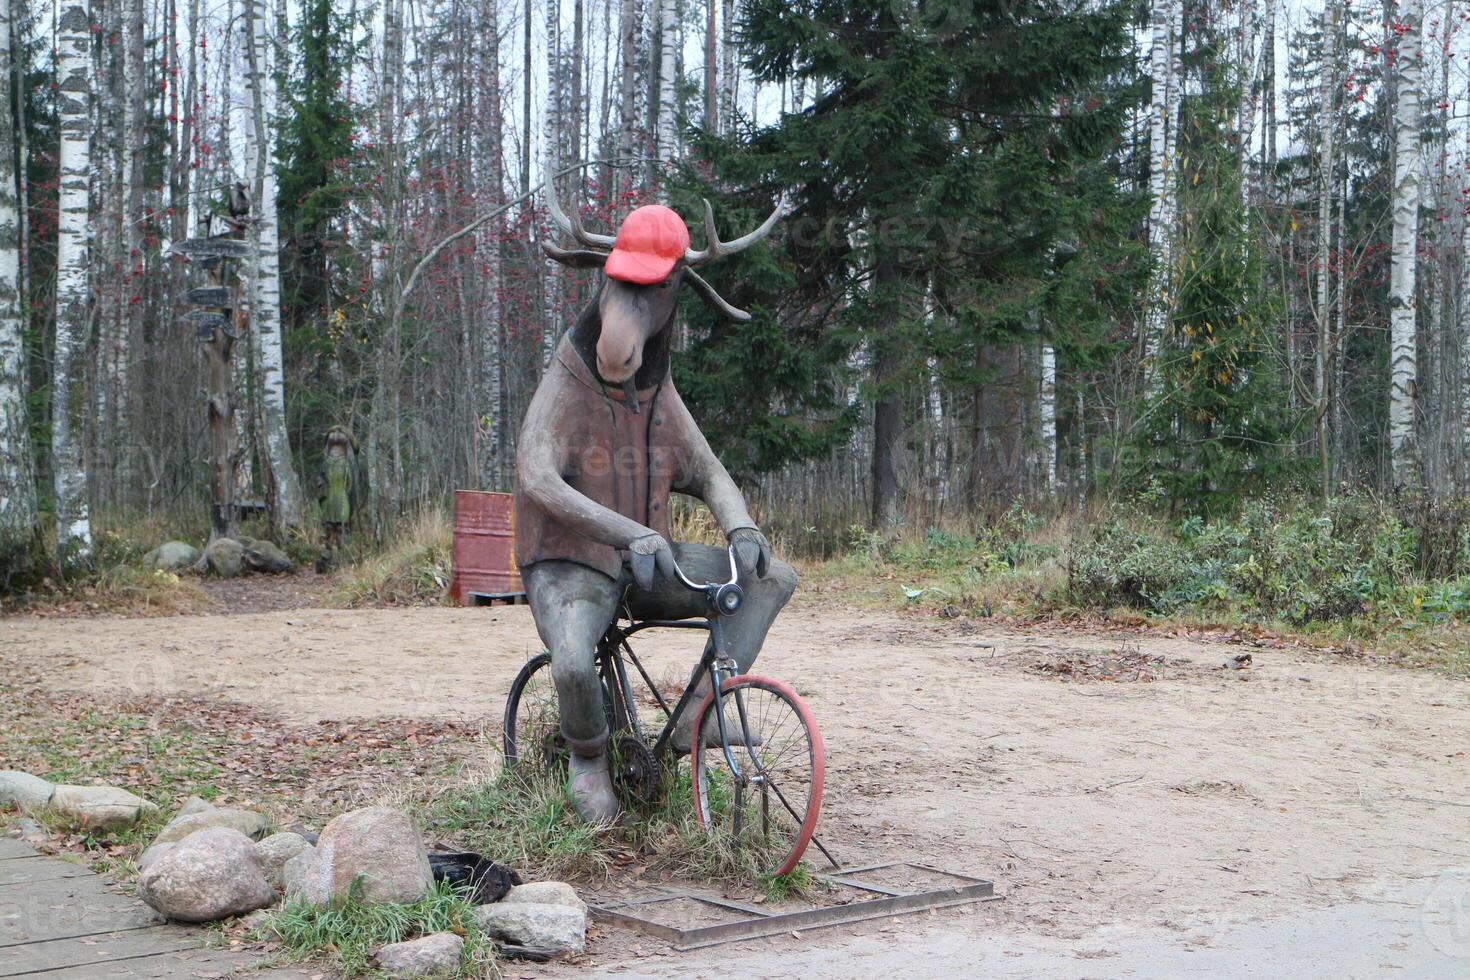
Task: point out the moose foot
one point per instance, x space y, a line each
592 789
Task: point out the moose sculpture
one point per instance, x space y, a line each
605 440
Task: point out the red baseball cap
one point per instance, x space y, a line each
649 242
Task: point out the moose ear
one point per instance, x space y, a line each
577 258
713 299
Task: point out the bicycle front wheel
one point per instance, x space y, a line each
777 748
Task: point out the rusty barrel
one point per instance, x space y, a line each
484 549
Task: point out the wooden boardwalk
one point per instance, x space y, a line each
59 921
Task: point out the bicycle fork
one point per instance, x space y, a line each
722 667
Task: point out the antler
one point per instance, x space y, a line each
573 225
714 248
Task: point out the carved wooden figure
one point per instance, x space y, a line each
605 440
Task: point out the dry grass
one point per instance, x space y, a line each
413 570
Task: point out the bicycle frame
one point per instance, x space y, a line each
715 662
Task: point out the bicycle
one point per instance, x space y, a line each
773 791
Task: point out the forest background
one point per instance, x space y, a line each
1156 304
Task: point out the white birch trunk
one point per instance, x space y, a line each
17 475
265 281
1048 412
728 69
1402 321
668 25
68 395
1163 114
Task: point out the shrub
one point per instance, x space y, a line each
1119 566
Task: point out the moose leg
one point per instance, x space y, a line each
745 632
572 606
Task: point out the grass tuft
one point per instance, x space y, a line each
413 570
348 930
524 817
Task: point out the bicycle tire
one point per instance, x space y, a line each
701 757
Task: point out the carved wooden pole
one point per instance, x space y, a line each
219 325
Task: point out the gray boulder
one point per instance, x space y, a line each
248 822
226 557
274 851
24 791
545 893
423 957
378 846
263 556
194 804
99 807
212 874
172 556
150 857
300 877
557 927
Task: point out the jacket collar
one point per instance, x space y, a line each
573 362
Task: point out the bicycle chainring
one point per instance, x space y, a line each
634 771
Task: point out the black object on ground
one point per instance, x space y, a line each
490 881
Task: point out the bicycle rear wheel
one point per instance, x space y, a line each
775 806
532 727
531 731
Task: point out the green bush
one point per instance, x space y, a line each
1305 563
1140 569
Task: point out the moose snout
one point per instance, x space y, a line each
618 362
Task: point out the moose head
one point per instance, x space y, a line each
644 267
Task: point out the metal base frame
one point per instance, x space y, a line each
756 922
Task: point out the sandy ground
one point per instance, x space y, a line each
1111 786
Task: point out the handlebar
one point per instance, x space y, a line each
724 597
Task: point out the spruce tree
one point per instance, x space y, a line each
947 152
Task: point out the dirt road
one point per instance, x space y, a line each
1107 785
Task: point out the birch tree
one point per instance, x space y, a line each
668 27
265 282
1163 121
1048 412
1408 72
68 378
728 74
17 477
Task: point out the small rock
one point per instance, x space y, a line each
150 857
275 851
300 877
255 919
24 791
547 926
172 556
379 846
211 874
29 827
194 804
226 557
248 822
263 556
438 953
546 893
99 807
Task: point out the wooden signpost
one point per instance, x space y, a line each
218 325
